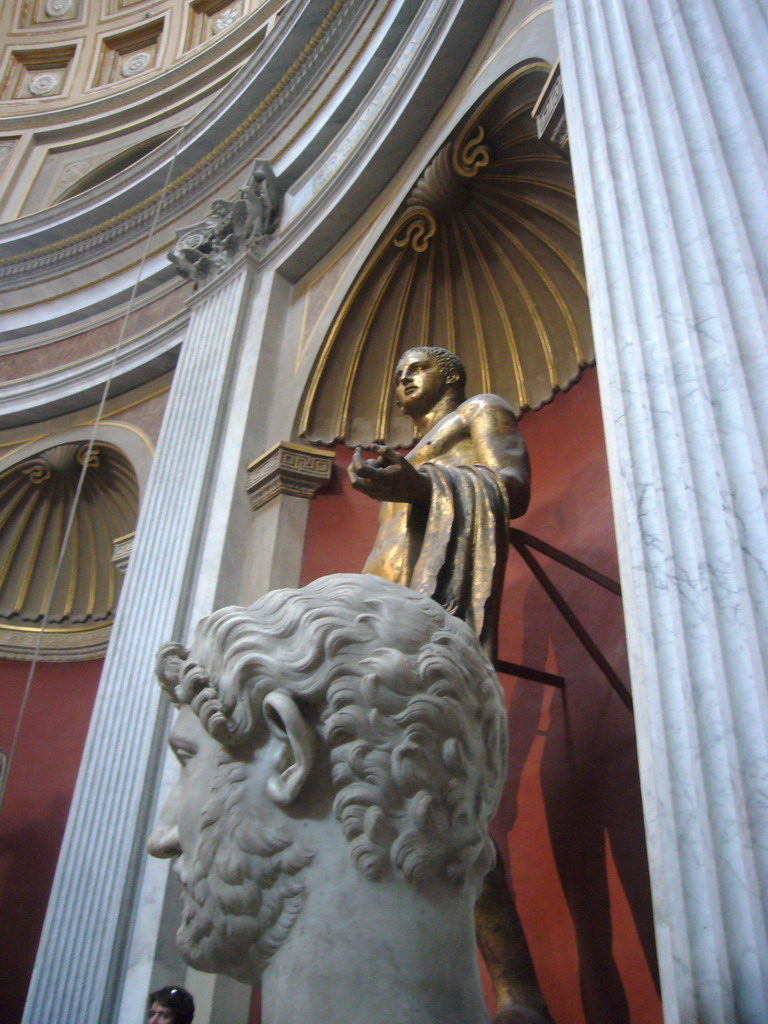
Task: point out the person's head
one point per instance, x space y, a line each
170 1005
352 686
424 375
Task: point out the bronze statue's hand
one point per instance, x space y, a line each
357 471
389 477
358 463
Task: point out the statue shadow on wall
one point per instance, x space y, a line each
589 774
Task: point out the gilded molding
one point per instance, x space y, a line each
470 154
57 644
58 588
416 229
483 258
288 469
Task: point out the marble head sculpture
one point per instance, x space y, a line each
342 748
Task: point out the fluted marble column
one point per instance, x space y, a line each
79 963
667 107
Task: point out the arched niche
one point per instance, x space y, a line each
61 606
483 258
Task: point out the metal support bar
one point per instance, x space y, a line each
510 668
519 543
518 537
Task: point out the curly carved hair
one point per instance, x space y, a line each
399 691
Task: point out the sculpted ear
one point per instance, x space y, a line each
288 725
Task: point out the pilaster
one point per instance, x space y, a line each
667 107
86 927
280 484
82 955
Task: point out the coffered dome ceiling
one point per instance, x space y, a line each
484 258
89 87
65 52
36 500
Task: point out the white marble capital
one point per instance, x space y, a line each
288 469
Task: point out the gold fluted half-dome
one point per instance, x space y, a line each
484 258
37 498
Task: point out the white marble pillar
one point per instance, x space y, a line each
667 107
80 962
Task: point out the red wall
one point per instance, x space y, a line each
37 799
570 822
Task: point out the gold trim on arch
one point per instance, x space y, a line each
483 257
37 501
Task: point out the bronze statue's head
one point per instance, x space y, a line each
424 375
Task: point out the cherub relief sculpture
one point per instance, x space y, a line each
231 227
342 748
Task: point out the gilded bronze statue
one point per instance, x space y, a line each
445 506
443 531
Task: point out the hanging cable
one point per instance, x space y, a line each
81 478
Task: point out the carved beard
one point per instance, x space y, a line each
239 899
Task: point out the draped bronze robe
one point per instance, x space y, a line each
457 551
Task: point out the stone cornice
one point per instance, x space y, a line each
76 384
274 89
356 167
549 111
121 552
288 469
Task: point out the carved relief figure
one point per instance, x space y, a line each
244 222
342 748
445 506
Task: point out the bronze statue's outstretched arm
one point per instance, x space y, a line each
389 477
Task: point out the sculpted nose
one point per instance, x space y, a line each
164 840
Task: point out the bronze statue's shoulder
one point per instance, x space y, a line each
480 403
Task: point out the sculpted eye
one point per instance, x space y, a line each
183 754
